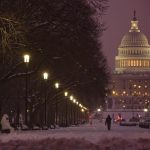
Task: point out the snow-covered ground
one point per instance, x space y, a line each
84 137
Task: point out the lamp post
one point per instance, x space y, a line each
83 114
56 85
74 110
56 106
71 110
77 111
66 94
45 77
26 61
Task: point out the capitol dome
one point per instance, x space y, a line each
134 39
134 51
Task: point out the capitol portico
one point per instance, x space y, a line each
130 87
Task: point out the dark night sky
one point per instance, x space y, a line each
119 15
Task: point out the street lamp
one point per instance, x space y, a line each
74 100
77 111
45 77
56 85
80 105
74 110
98 109
145 110
66 94
71 109
71 97
26 61
82 109
26 58
56 106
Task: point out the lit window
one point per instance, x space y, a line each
144 63
145 93
137 63
140 63
131 62
128 62
134 63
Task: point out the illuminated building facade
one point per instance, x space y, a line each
130 88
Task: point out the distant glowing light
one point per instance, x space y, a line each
124 92
98 109
80 105
82 110
26 58
45 75
113 92
56 85
71 97
145 110
74 100
66 93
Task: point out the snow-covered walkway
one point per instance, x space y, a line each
82 137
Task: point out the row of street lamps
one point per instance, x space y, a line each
45 77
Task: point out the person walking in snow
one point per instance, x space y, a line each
108 122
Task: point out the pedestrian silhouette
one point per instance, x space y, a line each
108 122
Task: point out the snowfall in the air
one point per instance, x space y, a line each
83 137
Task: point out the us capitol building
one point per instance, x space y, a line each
130 87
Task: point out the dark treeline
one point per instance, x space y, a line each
63 38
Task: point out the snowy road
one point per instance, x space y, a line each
95 134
